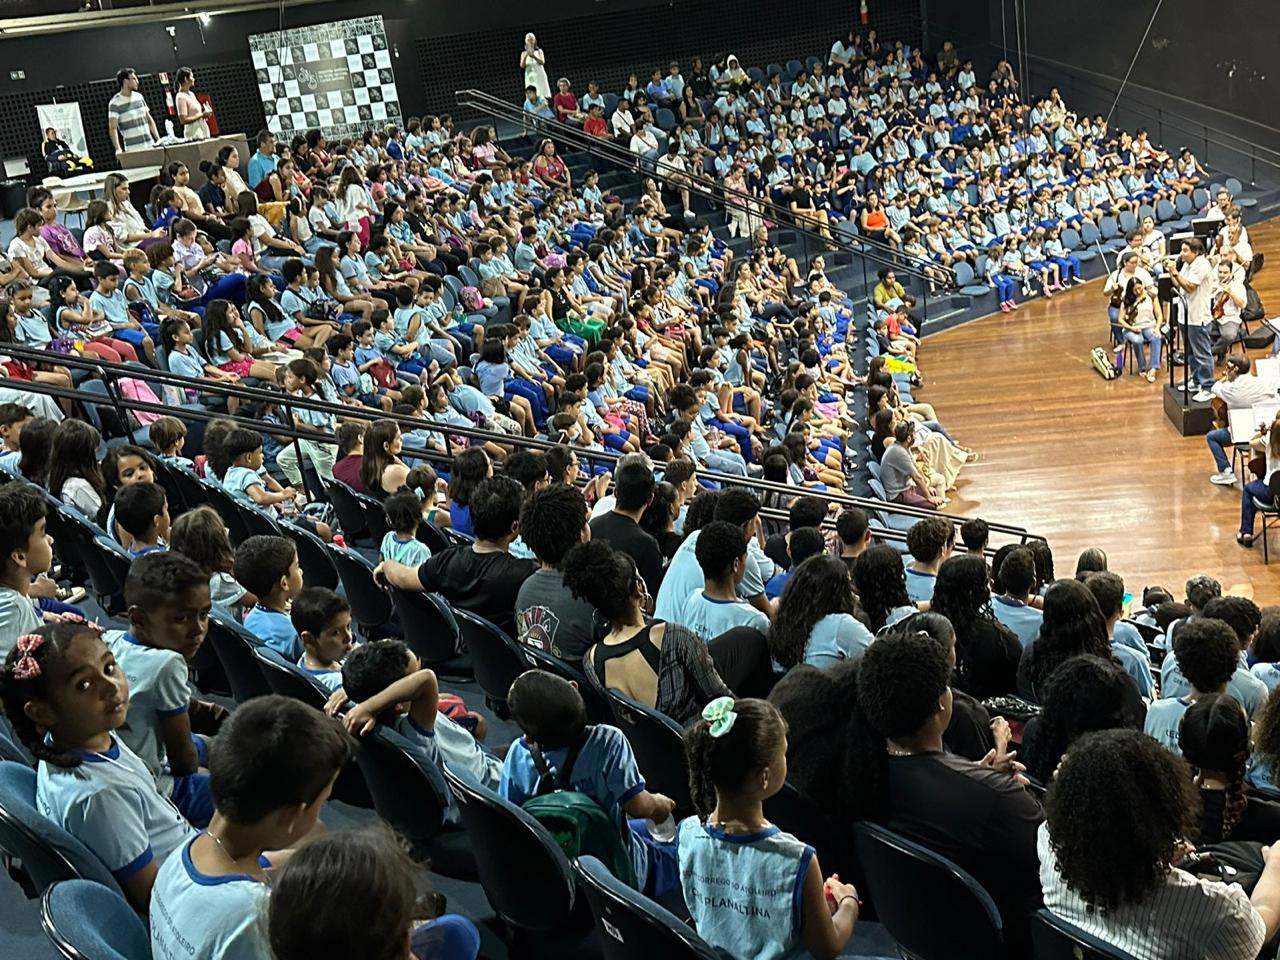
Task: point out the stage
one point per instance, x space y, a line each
1086 462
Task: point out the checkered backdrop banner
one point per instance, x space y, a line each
334 76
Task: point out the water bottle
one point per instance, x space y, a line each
168 130
663 832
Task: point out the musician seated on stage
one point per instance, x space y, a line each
1238 389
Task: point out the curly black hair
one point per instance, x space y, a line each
1266 733
599 575
901 681
1084 694
819 587
1239 613
881 581
552 521
1208 653
1111 860
1214 736
1266 645
702 510
1073 624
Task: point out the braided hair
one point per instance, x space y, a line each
727 761
1214 738
24 678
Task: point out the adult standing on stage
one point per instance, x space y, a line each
1194 278
534 64
129 121
193 114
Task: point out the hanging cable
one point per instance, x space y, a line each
1004 31
1136 54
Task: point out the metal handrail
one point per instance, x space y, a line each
880 253
111 373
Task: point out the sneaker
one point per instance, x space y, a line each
1004 305
1013 304
1227 478
72 594
1202 396
1079 280
1151 375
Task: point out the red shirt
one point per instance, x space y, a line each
565 104
596 127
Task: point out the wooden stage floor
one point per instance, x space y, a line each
1085 462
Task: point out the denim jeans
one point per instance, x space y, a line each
1218 440
1200 356
1140 338
1248 510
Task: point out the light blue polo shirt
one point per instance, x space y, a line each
197 915
1248 690
1268 673
1022 619
708 617
449 742
920 585
1137 667
111 805
159 688
1164 717
411 552
237 481
684 576
836 637
1127 635
605 770
275 629
115 307
331 680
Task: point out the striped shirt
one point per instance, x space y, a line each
131 113
1182 919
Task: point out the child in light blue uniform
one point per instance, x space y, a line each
87 781
595 760
323 621
751 889
268 568
389 686
168 599
1210 656
403 510
274 763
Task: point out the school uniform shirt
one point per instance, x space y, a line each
115 307
448 742
762 919
159 688
836 637
275 629
111 805
188 364
920 585
684 576
19 616
1182 917
1164 717
32 329
409 551
238 481
1248 690
605 770
709 617
197 916
1023 619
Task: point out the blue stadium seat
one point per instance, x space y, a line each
87 921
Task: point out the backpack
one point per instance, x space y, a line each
1103 363
471 299
1252 309
579 825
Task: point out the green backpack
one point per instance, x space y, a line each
579 825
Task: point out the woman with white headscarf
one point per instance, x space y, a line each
534 63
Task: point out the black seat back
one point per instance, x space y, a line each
496 659
370 604
658 743
598 709
408 790
288 679
631 926
963 923
1053 938
526 877
234 646
429 626
317 567
375 520
350 513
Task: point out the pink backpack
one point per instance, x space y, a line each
138 390
471 299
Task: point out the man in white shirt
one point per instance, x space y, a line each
644 142
672 166
1228 300
1194 280
1239 389
129 121
622 121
